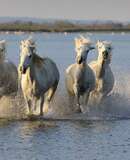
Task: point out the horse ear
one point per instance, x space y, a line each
81 36
84 39
98 43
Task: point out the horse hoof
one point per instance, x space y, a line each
31 116
41 114
78 110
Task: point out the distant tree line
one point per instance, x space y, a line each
62 26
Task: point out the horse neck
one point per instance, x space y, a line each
82 69
36 60
102 66
29 75
82 65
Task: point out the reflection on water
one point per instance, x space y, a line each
65 140
29 128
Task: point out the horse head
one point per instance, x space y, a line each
82 46
2 50
104 51
27 50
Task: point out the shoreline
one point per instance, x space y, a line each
62 27
64 32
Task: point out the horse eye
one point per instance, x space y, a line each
30 56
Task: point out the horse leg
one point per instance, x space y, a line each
34 103
85 102
71 101
77 95
78 109
51 92
41 105
48 98
29 106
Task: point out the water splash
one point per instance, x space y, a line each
12 107
117 105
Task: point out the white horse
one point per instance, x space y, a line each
8 74
39 76
80 79
102 70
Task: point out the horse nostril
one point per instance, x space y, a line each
20 68
105 54
79 60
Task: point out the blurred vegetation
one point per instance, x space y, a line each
62 26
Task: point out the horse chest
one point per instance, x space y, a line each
27 85
84 81
106 82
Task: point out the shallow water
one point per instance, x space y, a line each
70 140
80 139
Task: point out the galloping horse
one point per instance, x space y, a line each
39 76
80 79
8 73
102 70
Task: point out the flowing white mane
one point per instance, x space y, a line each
26 45
104 43
81 43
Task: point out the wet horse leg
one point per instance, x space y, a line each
35 103
77 95
84 108
71 102
41 105
29 104
49 96
51 92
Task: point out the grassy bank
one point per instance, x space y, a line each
62 26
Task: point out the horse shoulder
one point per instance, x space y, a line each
52 68
71 77
92 64
70 68
46 74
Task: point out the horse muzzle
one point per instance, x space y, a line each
79 60
23 69
105 55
